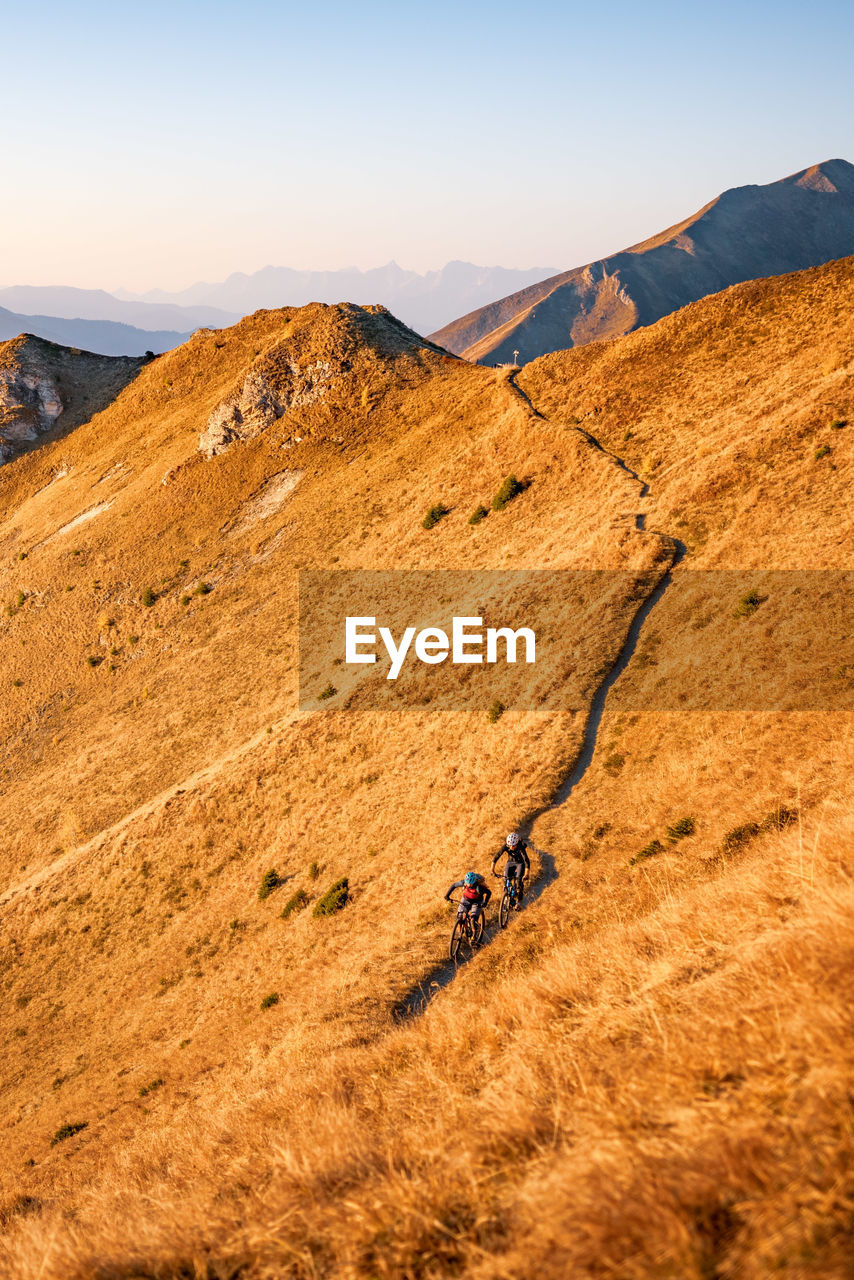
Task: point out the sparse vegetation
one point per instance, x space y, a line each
614 763
270 1000
681 828
202 589
269 881
95 659
479 513
149 597
68 1131
837 424
150 1088
334 899
648 851
822 451
434 515
313 870
748 604
329 692
297 902
496 711
510 489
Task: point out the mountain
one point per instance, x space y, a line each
97 304
422 301
746 233
104 336
232 1041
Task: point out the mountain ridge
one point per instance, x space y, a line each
748 232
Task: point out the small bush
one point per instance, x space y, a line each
838 423
313 870
269 881
19 599
496 711
510 489
17 683
334 898
94 660
748 604
434 515
148 597
203 589
68 1131
821 452
185 599
329 692
614 763
270 1000
149 1088
648 851
739 837
298 902
681 828
601 830
134 639
778 819
479 513
22 555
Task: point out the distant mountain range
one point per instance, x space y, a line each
105 337
746 233
423 302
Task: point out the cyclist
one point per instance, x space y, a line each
476 893
518 862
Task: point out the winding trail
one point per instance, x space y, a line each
419 997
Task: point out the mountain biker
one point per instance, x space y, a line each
476 894
518 862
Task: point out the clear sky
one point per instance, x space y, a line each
155 144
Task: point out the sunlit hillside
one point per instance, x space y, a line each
648 1072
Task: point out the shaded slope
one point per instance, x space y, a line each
746 233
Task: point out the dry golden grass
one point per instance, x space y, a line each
647 1074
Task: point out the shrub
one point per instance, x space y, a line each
68 1131
134 639
479 513
17 683
739 837
94 660
434 515
270 1000
838 423
821 452
329 692
298 902
148 597
496 711
203 589
22 555
334 898
748 604
648 851
614 763
185 599
601 830
313 870
778 819
269 881
681 828
510 489
149 1088
19 599
148 357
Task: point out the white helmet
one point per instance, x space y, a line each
513 839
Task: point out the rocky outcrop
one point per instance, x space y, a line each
258 404
30 404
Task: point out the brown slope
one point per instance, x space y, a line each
673 1038
746 233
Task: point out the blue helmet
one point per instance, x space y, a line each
471 879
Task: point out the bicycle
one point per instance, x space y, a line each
465 932
511 898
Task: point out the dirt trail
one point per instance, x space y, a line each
417 1000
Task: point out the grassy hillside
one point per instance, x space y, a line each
646 1073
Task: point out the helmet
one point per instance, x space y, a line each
513 839
471 878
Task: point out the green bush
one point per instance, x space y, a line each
496 711
334 898
614 763
270 1000
134 639
510 489
748 604
838 423
203 589
269 881
94 660
149 1088
185 599
821 452
298 902
329 692
479 513
648 851
778 819
313 870
68 1131
434 515
148 597
738 837
681 828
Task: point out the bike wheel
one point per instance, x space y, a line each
457 934
478 930
504 910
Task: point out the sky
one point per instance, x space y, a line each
156 144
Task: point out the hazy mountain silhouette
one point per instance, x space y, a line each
96 304
746 233
102 336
